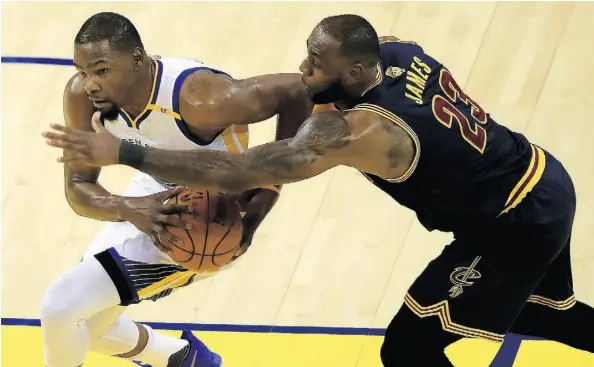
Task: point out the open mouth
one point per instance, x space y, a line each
100 103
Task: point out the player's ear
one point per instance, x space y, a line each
137 58
355 73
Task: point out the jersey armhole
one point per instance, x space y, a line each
403 125
181 124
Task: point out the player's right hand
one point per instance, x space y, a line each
151 214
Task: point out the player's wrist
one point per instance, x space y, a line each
125 208
131 155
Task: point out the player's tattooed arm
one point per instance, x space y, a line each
359 139
318 146
214 101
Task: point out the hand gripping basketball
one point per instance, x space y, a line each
151 215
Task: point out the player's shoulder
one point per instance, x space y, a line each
75 96
78 108
196 76
75 87
206 86
393 46
357 118
357 121
403 55
203 93
393 40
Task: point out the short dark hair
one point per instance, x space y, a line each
356 36
115 28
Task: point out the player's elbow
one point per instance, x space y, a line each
74 197
77 195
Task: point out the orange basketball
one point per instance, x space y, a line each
216 232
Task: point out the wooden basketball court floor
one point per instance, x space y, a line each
332 262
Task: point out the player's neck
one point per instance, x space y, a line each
355 91
367 81
144 85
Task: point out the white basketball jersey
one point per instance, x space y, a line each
161 126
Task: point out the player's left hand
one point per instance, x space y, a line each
99 148
256 204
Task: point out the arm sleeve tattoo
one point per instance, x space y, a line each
315 149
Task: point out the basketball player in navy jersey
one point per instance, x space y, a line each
404 122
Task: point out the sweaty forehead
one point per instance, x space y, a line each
92 51
320 42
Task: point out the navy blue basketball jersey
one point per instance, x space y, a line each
467 167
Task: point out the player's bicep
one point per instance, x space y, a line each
229 101
392 150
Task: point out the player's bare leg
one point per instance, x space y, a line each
80 313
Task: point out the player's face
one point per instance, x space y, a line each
107 76
322 71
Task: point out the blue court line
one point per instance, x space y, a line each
36 60
504 358
233 328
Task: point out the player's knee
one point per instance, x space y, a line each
79 294
55 306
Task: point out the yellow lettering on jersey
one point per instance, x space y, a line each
425 67
417 75
416 79
417 93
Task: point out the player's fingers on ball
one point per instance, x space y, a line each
155 239
165 241
173 240
164 196
164 235
175 221
161 247
176 190
158 229
172 192
176 208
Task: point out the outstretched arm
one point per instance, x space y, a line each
321 143
359 139
324 141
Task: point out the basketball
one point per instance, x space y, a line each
215 235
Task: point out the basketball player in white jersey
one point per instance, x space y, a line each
166 103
